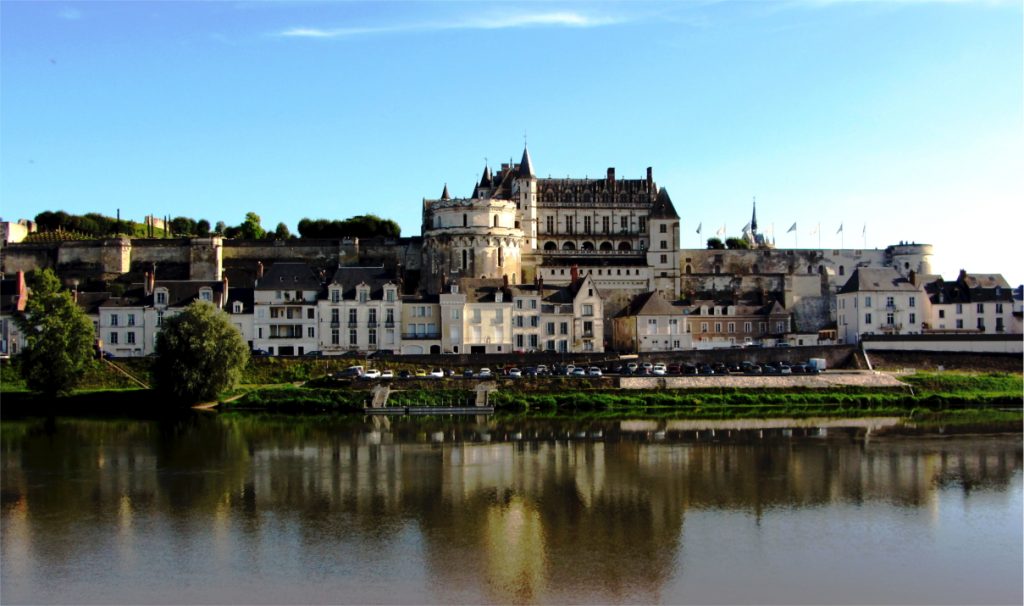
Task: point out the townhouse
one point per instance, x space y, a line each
361 312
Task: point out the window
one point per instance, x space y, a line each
113 338
455 313
703 326
748 326
335 316
534 322
867 301
131 319
942 313
568 225
588 309
389 295
353 337
551 225
780 326
586 225
913 318
663 228
364 295
373 337
335 295
533 303
131 337
161 298
718 327
890 319
588 329
890 302
206 294
664 259
519 341
981 323
563 328
604 224
959 308
159 318
912 302
664 244
959 323
113 319
999 308
353 316
335 336
519 303
867 318
310 332
624 223
981 308
730 327
550 329
533 341
310 313
373 316
389 316
643 224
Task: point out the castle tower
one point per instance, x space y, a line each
663 253
525 185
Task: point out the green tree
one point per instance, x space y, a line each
203 228
282 233
59 337
737 244
201 354
715 244
250 229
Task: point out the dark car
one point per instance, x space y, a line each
753 369
259 352
674 369
405 374
467 374
689 369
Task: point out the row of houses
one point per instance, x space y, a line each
293 311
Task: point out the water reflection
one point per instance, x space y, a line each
250 509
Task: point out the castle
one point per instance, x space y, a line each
516 232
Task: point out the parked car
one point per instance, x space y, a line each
313 354
405 374
659 370
259 352
467 374
753 369
514 373
372 373
387 374
594 371
674 369
485 373
351 372
420 372
689 369
542 370
437 373
578 372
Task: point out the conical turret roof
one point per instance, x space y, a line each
753 219
486 181
444 194
525 165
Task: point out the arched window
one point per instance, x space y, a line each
718 269
465 221
465 260
568 246
550 246
495 220
689 270
625 246
810 269
587 246
607 246
501 256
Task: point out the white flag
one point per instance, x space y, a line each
721 231
791 228
746 228
840 230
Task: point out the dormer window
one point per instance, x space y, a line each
206 294
364 295
161 296
236 307
389 295
499 296
335 295
455 289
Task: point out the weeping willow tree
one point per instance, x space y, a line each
200 354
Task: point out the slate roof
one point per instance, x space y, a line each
970 288
289 276
526 165
877 280
242 294
650 304
663 207
351 277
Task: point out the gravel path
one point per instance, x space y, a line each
826 380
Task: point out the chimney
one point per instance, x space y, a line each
611 178
224 293
259 271
574 272
22 291
504 280
151 281
650 179
145 284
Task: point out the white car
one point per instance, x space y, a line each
437 373
485 373
515 373
387 374
659 369
594 371
373 373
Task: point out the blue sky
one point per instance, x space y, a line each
904 116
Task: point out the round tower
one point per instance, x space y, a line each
470 238
908 257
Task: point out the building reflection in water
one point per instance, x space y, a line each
512 513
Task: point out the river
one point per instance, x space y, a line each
257 509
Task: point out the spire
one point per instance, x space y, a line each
444 194
525 165
753 219
485 181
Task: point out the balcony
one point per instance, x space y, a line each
389 325
890 328
372 324
352 324
421 336
335 324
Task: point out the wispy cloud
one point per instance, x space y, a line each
548 19
71 14
823 3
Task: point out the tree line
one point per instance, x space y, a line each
95 225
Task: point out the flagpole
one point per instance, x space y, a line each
819 235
